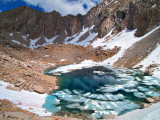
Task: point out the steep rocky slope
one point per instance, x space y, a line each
25 68
32 28
102 32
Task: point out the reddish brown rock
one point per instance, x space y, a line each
12 88
156 98
145 105
150 100
38 89
110 116
20 82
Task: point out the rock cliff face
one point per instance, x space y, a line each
27 24
35 23
144 16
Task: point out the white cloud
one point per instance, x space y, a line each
64 6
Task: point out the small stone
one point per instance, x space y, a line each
150 100
12 88
0 84
138 67
147 73
110 116
38 89
18 84
145 105
5 73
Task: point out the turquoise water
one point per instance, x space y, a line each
96 91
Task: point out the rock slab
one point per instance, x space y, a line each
110 116
38 89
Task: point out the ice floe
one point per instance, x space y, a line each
109 98
152 93
139 94
143 89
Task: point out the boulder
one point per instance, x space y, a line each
19 83
156 98
147 72
145 105
38 89
150 100
154 65
110 116
12 88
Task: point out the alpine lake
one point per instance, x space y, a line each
96 91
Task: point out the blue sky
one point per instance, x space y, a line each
65 7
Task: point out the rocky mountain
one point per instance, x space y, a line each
115 33
32 28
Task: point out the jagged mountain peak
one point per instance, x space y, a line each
80 30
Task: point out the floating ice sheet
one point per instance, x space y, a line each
139 94
143 89
152 93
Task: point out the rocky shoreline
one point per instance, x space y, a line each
10 111
24 68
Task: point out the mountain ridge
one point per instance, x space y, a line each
103 18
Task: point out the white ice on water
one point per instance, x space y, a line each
69 68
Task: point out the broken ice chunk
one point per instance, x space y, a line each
92 105
87 94
130 90
143 89
74 105
100 114
152 93
139 94
76 92
67 91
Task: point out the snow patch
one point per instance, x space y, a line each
16 42
153 58
124 39
25 37
76 37
11 34
48 42
27 99
63 60
33 42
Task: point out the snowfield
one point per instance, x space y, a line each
153 58
125 40
26 99
151 113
